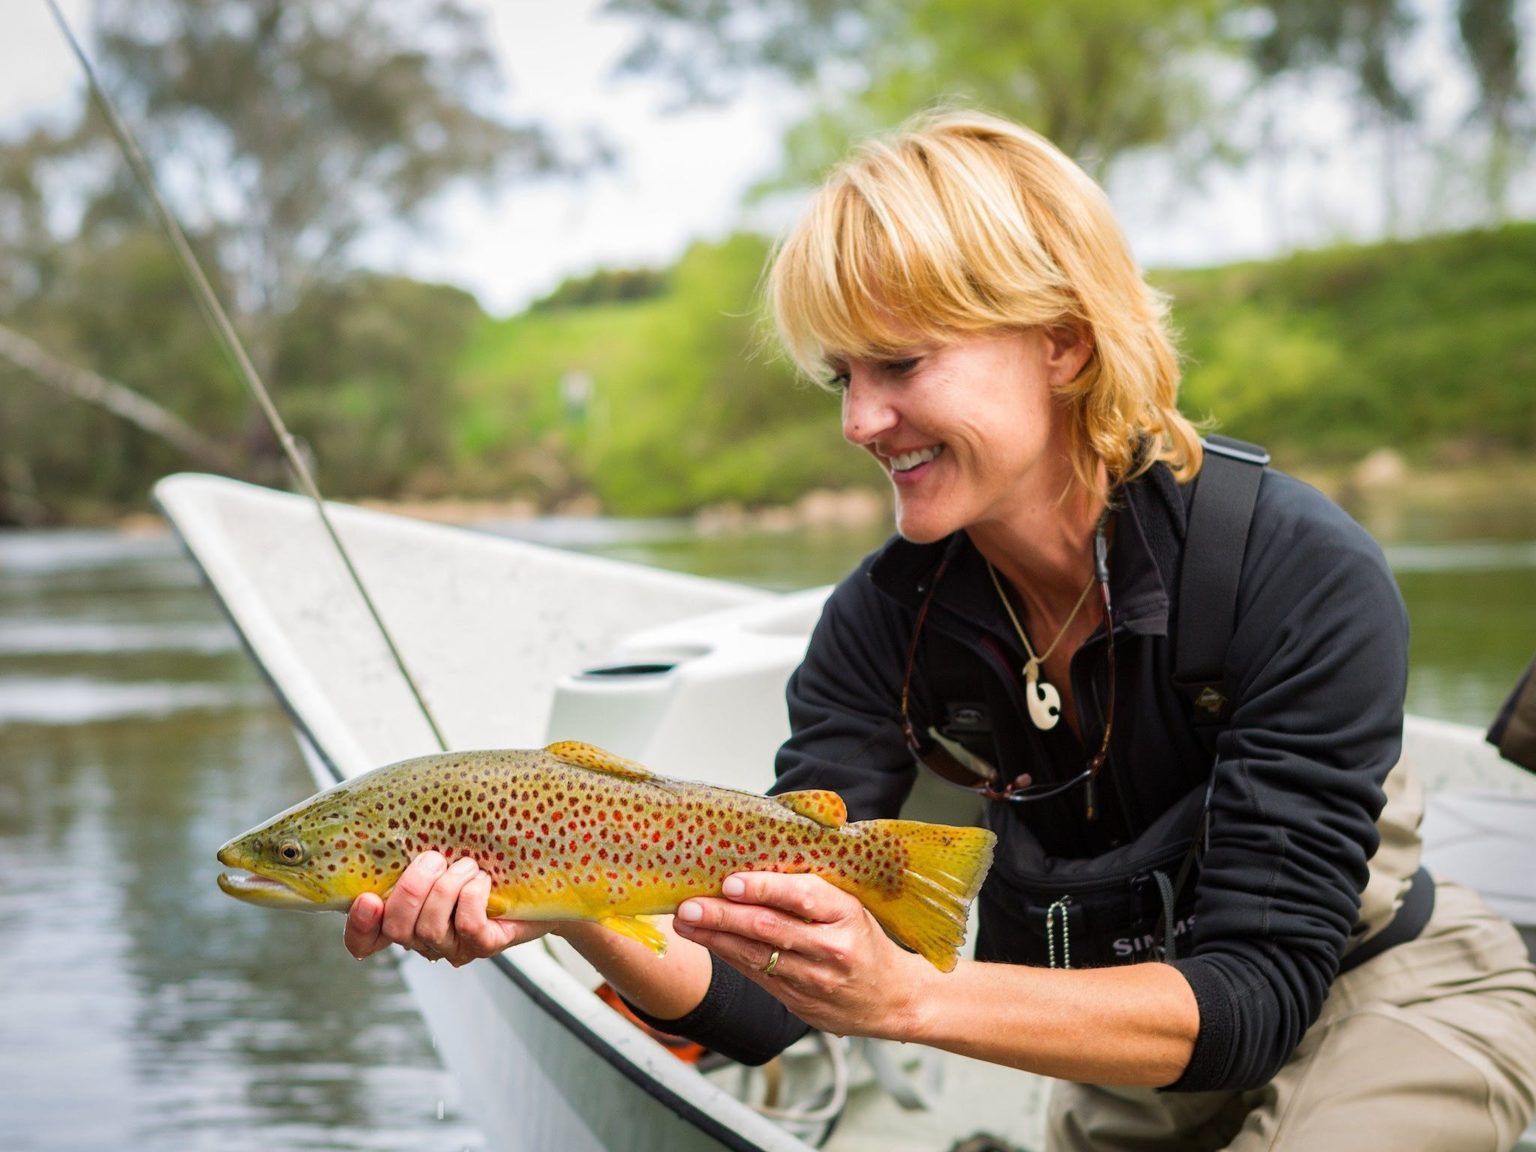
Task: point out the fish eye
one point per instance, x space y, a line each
290 852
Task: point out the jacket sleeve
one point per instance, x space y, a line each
1318 664
846 737
845 704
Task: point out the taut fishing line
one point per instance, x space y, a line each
229 340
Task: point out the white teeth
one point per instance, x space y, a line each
909 460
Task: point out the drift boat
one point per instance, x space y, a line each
516 645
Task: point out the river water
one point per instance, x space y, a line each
142 1009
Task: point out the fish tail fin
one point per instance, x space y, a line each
940 870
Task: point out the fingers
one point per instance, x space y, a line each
403 908
764 911
809 899
362 936
434 921
436 910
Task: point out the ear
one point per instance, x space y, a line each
1068 349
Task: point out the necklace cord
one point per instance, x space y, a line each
1019 628
230 342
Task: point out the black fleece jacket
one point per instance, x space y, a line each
1318 668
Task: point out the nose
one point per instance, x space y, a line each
867 413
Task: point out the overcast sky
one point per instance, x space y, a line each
682 175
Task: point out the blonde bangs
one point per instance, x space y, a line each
900 247
827 285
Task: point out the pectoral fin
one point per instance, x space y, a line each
597 760
637 929
825 808
498 907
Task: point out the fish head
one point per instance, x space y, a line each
312 857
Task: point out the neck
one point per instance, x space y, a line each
1046 549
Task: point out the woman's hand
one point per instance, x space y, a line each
836 969
437 911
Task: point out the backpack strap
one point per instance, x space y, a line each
1221 509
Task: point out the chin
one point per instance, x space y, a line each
923 529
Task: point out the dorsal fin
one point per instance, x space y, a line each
588 756
823 807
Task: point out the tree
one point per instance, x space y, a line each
1364 38
287 131
1490 36
283 135
1099 79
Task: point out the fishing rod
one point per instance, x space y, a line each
230 342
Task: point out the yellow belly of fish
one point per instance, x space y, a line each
615 905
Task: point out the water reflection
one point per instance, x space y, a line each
141 1007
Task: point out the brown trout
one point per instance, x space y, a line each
571 832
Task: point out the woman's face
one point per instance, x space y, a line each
967 430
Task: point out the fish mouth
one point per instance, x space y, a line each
263 890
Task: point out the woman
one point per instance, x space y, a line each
967 289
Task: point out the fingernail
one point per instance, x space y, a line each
690 912
733 886
465 866
433 863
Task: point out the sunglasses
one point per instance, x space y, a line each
957 765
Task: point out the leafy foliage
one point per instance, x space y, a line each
1324 356
302 125
369 379
282 134
1328 354
656 406
606 285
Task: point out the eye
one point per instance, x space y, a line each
290 852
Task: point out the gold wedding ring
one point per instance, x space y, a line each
773 962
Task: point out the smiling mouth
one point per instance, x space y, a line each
910 460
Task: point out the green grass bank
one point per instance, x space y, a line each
673 401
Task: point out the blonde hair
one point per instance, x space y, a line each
964 223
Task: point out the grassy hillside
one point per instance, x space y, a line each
1427 347
685 405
